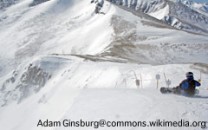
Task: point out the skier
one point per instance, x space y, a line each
188 86
98 6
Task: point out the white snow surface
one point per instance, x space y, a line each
160 14
65 43
94 91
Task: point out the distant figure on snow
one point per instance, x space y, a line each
99 5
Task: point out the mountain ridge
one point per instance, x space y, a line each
179 14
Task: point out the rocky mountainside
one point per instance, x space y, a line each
181 14
6 3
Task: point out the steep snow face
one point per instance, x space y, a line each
28 31
52 27
181 14
160 14
71 27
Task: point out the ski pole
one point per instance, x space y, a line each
137 80
165 79
200 77
157 78
141 80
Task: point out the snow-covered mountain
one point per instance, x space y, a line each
181 14
6 3
199 7
52 52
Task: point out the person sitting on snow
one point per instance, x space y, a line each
188 85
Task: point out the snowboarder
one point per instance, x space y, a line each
186 87
189 84
98 6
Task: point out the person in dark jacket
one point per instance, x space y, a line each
99 5
188 85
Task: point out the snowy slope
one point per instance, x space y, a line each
79 89
56 57
56 27
51 27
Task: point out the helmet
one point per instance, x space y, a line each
189 75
